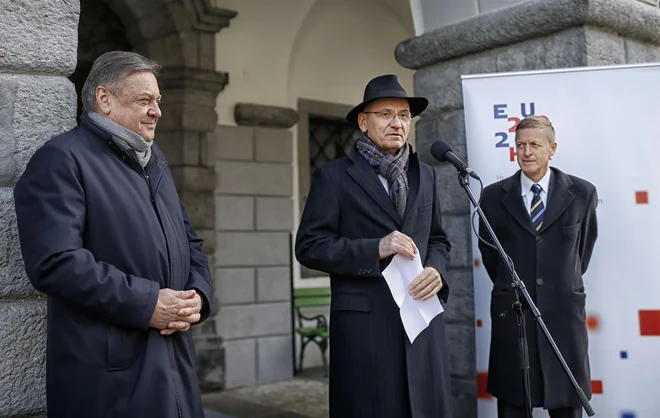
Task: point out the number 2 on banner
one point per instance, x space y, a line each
503 135
515 121
502 143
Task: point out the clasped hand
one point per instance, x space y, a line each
176 310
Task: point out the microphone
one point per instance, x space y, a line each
441 151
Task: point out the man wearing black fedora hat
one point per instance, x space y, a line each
363 209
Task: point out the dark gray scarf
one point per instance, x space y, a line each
124 137
392 167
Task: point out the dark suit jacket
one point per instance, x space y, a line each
551 264
374 370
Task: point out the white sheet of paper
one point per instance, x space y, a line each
408 268
416 315
413 321
395 282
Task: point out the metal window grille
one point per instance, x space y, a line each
329 138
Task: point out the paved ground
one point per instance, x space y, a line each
305 396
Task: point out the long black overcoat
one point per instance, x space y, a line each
551 263
374 370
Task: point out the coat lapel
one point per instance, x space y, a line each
413 186
559 198
366 177
513 202
156 170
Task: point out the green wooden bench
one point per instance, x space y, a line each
312 328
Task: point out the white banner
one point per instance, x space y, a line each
607 132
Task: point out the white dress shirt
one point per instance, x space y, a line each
527 193
384 181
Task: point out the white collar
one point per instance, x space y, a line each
526 183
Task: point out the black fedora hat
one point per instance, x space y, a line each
386 87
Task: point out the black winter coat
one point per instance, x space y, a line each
551 263
374 370
101 236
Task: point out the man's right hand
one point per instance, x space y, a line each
170 302
397 243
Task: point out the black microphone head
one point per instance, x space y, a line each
439 149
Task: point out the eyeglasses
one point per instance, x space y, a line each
388 115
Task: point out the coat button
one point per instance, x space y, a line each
539 240
539 281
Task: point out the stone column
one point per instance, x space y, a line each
254 220
37 52
189 98
533 35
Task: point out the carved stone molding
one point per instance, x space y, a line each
207 17
529 20
250 114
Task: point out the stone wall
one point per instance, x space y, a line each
254 219
538 34
37 102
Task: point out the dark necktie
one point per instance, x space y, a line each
537 208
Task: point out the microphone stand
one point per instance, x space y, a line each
521 292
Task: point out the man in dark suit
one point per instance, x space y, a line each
104 235
361 211
546 222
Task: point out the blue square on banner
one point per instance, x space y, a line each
624 355
627 415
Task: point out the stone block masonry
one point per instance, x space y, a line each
254 220
37 52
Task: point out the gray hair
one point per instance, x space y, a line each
540 122
109 70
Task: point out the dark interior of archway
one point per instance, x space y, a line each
99 31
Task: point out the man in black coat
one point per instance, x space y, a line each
546 222
104 235
362 210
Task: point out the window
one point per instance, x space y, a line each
324 134
329 138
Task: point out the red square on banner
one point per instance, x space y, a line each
479 323
642 197
597 387
649 323
482 384
593 323
477 262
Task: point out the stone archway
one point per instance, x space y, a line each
180 35
99 31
